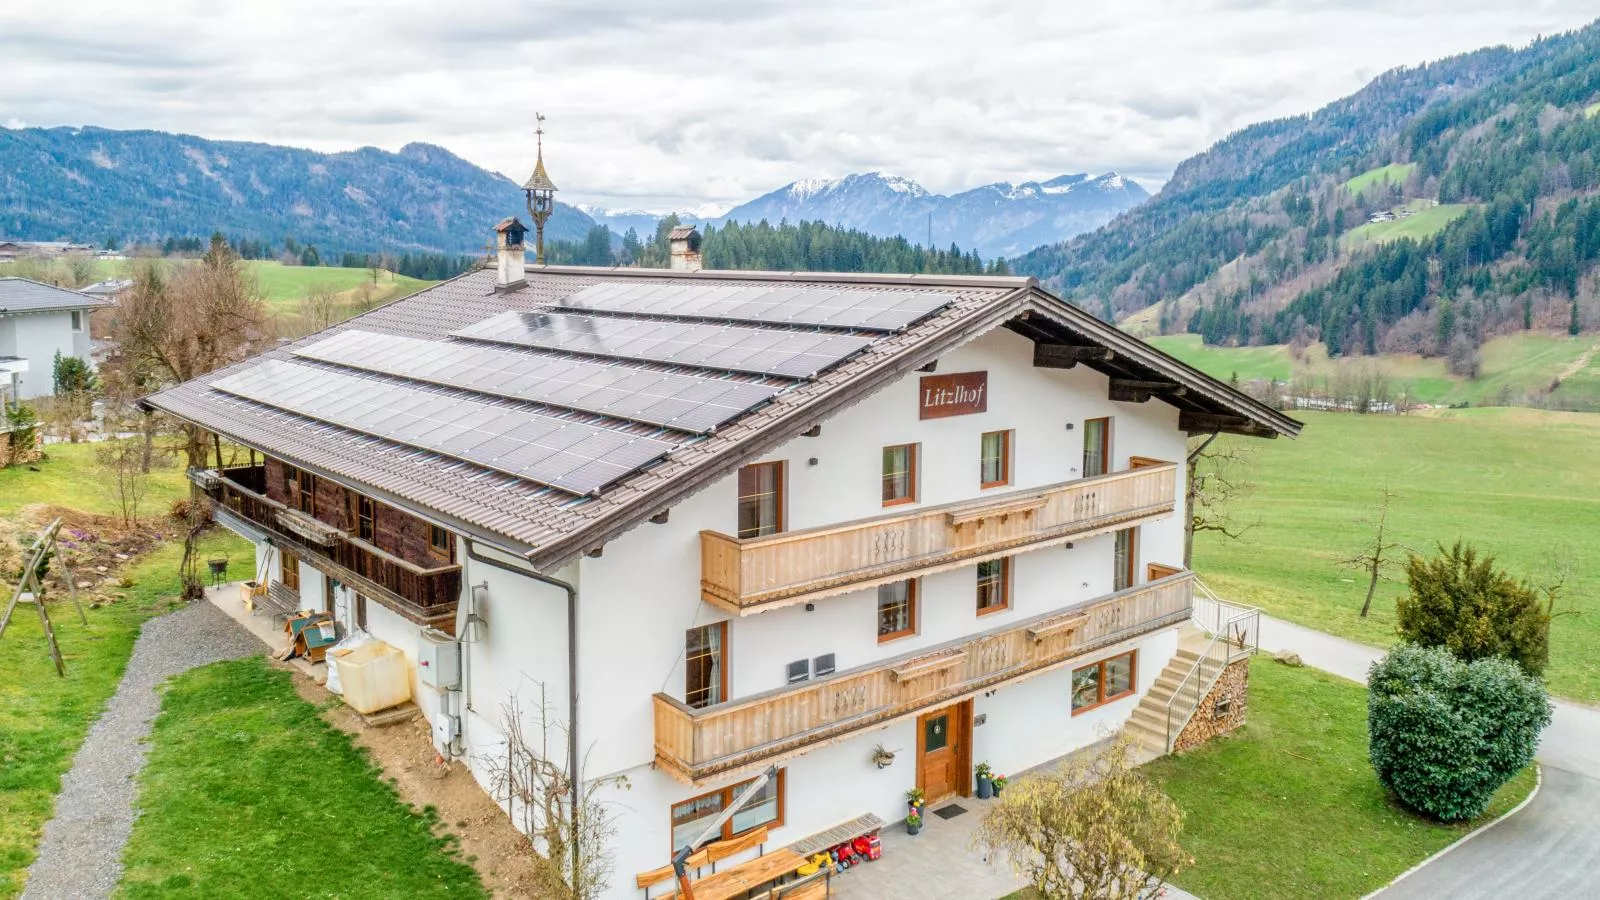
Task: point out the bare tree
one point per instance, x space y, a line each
1217 476
1095 829
1377 555
531 778
320 308
126 477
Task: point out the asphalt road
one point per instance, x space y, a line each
1548 851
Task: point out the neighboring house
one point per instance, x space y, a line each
37 321
11 249
800 517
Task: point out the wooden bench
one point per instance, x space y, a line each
281 601
838 834
709 855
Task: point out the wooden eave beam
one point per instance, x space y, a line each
1129 390
1205 423
1066 356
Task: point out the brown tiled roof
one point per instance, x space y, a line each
551 525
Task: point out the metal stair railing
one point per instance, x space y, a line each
1235 634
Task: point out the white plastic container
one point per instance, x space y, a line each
374 676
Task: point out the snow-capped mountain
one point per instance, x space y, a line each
644 221
999 219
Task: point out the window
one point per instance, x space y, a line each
77 320
439 541
899 474
994 462
301 488
1096 447
761 499
706 665
289 571
1105 681
366 518
897 610
691 817
1126 559
994 585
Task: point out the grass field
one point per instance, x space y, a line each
1425 223
1395 173
68 477
285 285
1581 390
1289 807
1514 482
1512 367
248 787
43 717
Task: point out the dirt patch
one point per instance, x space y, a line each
405 753
93 547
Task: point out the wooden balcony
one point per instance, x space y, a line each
754 574
699 744
427 595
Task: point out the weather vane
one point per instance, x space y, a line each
541 193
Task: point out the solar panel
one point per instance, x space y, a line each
572 456
735 348
693 403
883 310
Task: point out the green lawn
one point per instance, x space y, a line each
1515 482
1512 367
248 787
285 285
43 717
1396 173
67 477
1289 807
1424 224
1581 391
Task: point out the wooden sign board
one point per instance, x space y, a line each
956 394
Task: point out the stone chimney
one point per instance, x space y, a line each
512 272
684 242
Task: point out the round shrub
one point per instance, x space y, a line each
1444 734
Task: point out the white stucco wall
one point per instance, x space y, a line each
37 337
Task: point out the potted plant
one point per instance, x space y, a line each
915 799
985 781
913 823
999 782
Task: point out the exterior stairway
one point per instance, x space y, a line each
1148 724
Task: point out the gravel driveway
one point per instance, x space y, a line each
81 853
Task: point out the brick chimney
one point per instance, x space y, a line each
512 272
684 242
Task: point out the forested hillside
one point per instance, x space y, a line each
1434 208
95 185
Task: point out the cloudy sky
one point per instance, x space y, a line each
674 103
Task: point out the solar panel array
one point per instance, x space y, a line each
572 456
734 348
812 305
693 403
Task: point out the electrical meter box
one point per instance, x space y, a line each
439 660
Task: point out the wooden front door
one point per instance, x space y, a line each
944 751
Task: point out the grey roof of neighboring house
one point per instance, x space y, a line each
290 401
26 295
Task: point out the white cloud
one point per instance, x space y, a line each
672 103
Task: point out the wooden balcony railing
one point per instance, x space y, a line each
423 594
748 575
697 744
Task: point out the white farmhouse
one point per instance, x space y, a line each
37 321
735 520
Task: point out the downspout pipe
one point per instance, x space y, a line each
572 685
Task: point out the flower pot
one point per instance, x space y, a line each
912 829
985 788
998 787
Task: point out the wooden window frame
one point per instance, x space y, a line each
1005 586
780 488
728 794
289 571
444 550
913 598
365 514
1105 447
722 668
913 451
1129 569
361 610
1133 680
1005 459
